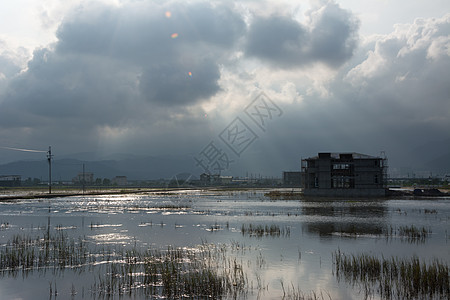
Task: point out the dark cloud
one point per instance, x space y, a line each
334 35
142 32
173 83
107 57
278 39
392 95
118 80
119 73
331 38
69 87
397 96
107 60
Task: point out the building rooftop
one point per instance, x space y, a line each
337 155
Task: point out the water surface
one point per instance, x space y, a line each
298 258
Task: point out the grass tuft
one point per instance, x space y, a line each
394 278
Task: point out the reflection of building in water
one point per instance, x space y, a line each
344 175
344 218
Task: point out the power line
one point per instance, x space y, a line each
23 150
49 158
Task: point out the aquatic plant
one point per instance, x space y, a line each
265 230
173 273
410 234
284 195
413 233
394 278
295 293
172 206
26 253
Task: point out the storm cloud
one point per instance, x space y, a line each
107 56
330 37
143 77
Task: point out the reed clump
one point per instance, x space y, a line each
413 233
394 278
204 272
172 207
56 250
409 234
295 293
265 230
284 195
175 273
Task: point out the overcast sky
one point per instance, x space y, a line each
170 77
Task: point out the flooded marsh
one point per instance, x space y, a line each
223 245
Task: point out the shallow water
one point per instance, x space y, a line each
298 259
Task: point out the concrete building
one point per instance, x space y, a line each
215 179
86 177
344 175
10 180
120 180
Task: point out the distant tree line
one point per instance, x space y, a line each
36 182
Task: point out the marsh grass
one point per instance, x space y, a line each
25 253
410 234
265 230
172 207
205 272
295 293
174 273
281 195
394 278
413 233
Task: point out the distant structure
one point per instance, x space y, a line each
292 179
10 180
120 180
86 177
215 179
344 175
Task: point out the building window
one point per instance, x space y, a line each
341 166
342 182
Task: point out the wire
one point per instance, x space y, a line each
24 150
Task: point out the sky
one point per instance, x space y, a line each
259 84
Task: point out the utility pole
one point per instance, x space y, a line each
84 180
49 158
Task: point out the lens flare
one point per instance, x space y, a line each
190 74
168 14
174 35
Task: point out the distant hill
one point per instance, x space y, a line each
135 168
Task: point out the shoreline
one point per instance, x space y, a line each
285 193
39 193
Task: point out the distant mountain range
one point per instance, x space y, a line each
427 158
135 168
